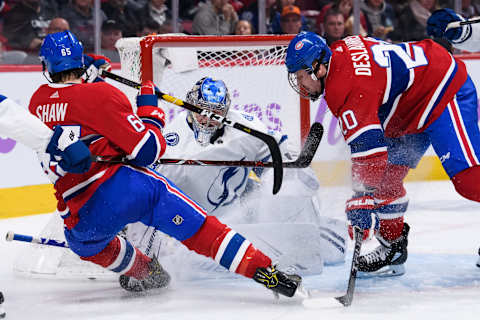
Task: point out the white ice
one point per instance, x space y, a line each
442 281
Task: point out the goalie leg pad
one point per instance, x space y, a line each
227 247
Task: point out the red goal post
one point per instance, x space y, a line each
253 68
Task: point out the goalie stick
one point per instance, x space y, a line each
304 158
347 299
267 139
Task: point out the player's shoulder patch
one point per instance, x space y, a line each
172 138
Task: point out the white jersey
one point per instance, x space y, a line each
470 38
276 224
18 124
220 186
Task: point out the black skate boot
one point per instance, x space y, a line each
478 261
157 278
278 281
387 259
2 311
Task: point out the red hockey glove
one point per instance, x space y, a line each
94 63
147 104
360 210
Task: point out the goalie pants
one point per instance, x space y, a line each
142 195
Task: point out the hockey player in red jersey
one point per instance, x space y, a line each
393 101
97 204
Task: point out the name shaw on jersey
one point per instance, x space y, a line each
51 112
359 56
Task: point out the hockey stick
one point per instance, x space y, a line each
347 299
458 24
269 140
304 158
25 238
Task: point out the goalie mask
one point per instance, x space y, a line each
211 95
305 54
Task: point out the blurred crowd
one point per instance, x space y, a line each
24 23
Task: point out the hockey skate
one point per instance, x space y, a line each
157 278
278 281
478 261
387 259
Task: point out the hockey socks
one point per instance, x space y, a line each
227 247
121 257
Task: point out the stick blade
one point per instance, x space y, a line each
345 300
310 147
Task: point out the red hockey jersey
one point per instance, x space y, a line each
104 119
379 89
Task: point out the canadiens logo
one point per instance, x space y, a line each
299 45
172 138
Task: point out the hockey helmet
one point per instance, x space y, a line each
212 95
61 51
302 52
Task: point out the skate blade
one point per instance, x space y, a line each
385 272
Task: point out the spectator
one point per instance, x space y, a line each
346 8
334 26
380 18
312 4
243 27
155 10
124 14
470 10
276 23
216 17
111 32
55 25
412 21
12 56
58 25
149 27
26 23
250 13
79 14
291 20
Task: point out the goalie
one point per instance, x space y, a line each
237 195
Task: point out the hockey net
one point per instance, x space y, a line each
253 70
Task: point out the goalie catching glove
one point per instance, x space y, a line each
147 104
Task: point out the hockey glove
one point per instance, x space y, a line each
147 104
72 154
93 64
438 21
361 212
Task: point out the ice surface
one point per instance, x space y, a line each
442 281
